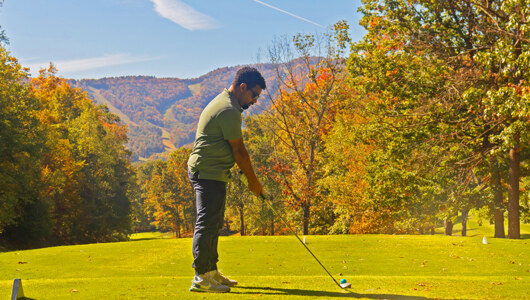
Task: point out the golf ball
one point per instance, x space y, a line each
342 281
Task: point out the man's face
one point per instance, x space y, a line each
250 96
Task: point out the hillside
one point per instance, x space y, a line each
162 113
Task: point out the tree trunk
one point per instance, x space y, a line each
241 221
264 223
498 208
272 224
306 217
448 227
513 193
177 223
465 214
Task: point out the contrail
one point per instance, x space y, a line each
286 12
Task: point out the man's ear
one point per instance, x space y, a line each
241 86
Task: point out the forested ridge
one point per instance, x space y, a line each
161 113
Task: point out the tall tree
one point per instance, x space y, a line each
169 198
475 89
309 92
254 216
345 171
178 168
21 148
86 169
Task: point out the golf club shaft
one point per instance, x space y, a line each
296 235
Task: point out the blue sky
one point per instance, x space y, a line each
162 38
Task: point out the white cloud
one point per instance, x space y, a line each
288 13
184 15
77 65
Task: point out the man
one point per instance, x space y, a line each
218 145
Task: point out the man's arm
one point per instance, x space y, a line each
243 161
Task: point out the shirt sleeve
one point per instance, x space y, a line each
230 123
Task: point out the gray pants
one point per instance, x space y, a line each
211 199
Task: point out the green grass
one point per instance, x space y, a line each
157 266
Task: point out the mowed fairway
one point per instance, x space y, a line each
154 266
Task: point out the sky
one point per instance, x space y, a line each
161 38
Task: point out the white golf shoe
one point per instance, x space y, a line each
219 277
207 283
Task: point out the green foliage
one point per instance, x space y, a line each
445 89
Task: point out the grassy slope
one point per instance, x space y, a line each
152 266
100 99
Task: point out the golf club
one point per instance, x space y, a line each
344 285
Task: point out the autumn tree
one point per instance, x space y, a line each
141 222
169 197
21 147
178 167
239 204
310 71
345 172
244 210
65 170
86 167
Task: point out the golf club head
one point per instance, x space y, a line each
345 285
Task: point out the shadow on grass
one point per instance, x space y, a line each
313 293
144 239
151 238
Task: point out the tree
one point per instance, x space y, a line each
346 157
238 198
169 198
21 147
143 173
178 168
252 214
456 68
309 92
86 169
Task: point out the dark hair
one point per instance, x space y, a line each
250 76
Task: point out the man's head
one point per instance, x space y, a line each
247 86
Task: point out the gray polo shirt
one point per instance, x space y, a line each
220 121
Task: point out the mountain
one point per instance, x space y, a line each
162 113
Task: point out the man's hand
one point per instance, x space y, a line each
255 187
243 161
